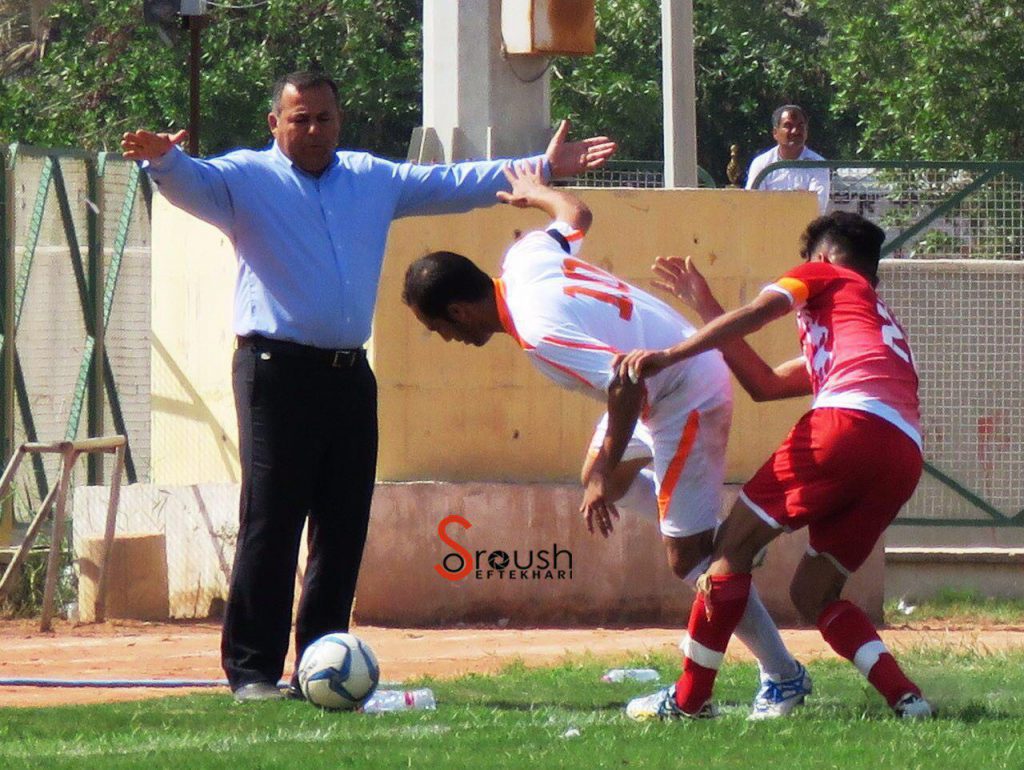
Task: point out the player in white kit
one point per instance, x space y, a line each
572 319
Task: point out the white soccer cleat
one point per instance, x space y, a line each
662 705
778 699
913 706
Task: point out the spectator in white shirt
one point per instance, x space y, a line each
789 129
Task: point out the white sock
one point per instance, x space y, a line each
641 499
759 633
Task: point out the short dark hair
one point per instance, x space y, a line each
434 281
777 115
300 81
857 238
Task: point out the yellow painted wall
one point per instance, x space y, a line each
452 412
194 434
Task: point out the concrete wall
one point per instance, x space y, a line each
504 443
591 580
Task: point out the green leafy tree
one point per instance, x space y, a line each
105 71
928 79
750 57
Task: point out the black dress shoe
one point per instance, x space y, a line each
255 691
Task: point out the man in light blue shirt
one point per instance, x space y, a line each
309 225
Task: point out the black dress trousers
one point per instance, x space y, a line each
307 430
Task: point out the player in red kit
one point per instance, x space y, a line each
844 471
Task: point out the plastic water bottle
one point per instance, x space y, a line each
631 675
400 700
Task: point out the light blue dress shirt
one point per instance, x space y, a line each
310 247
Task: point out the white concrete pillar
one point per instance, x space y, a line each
476 102
679 93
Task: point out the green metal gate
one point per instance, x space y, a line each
71 220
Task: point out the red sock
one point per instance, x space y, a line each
707 637
851 634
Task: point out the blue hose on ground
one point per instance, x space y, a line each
167 683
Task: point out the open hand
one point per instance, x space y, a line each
680 277
526 180
147 145
572 158
596 509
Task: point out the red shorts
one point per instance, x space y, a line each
841 473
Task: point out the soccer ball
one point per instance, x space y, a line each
338 671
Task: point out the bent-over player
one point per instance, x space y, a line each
844 471
572 319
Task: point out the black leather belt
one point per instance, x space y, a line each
341 358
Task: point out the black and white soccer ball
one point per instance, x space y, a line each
338 671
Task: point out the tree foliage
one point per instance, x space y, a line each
879 78
928 79
106 71
750 57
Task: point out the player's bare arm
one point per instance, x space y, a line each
766 307
149 145
681 278
625 400
572 158
529 190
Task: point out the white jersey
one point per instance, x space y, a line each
572 318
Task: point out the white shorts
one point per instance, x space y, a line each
640 446
688 449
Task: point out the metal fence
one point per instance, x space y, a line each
932 210
637 174
74 307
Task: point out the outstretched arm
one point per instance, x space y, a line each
681 278
529 190
730 326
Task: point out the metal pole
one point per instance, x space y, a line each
194 25
57 539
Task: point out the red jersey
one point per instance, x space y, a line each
856 352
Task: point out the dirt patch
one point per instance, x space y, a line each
129 650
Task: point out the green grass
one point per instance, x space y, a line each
519 719
957 605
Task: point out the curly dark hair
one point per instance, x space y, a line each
859 239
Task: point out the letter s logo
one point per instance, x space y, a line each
461 555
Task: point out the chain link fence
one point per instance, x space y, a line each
75 300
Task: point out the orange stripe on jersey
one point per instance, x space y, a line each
506 317
675 467
795 287
575 235
578 345
566 370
